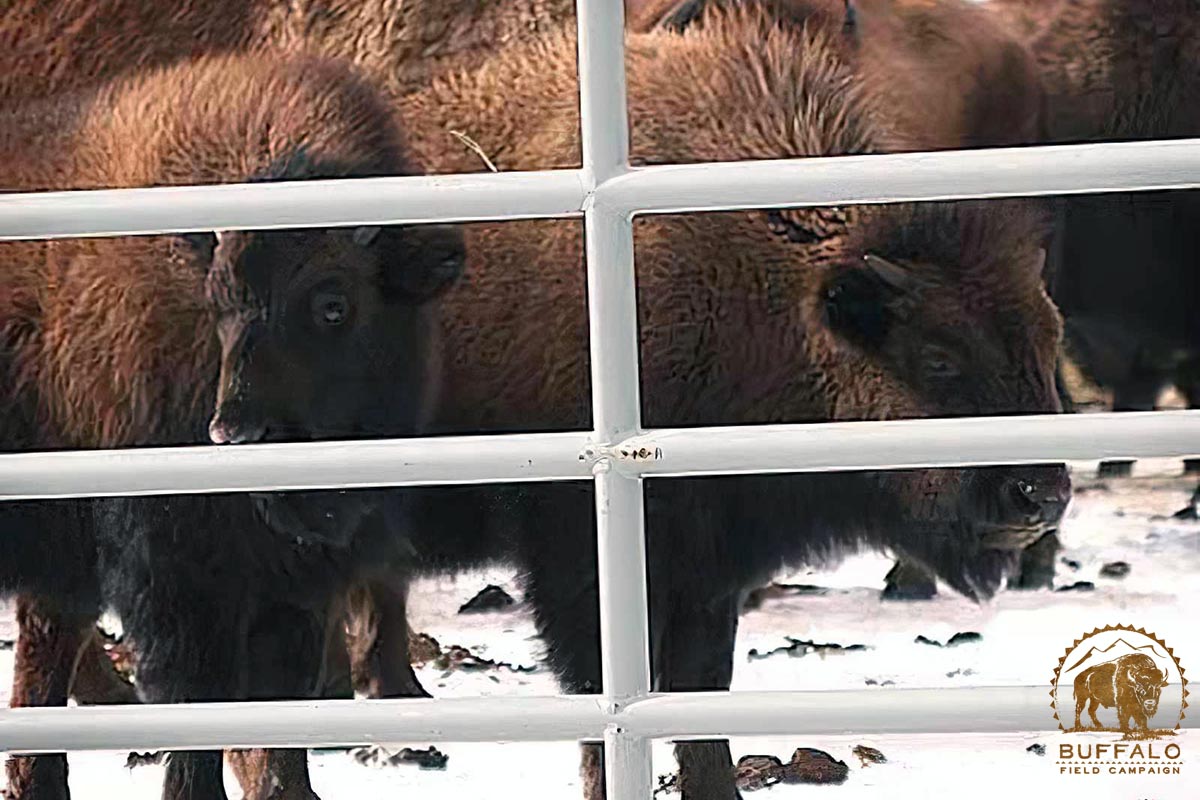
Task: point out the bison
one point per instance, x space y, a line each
1127 283
1131 684
884 312
47 48
278 335
911 55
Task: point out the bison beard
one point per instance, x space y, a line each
223 597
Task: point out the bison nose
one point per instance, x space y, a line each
222 431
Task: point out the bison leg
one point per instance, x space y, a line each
694 653
379 654
908 581
1080 702
290 651
1038 560
1092 707
48 645
192 660
272 774
560 586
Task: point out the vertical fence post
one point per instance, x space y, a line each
612 316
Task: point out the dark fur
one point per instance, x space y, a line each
1128 283
741 321
134 341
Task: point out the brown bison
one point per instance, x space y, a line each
912 56
47 47
127 341
755 316
1131 684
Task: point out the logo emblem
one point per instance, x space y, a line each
1117 692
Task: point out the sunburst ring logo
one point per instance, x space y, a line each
1119 679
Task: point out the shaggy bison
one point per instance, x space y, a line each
237 336
911 56
1131 684
800 315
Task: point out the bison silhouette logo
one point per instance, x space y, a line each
1127 670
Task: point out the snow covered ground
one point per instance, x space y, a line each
1023 636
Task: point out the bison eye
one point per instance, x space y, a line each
939 365
330 308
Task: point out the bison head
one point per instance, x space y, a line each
323 333
1147 683
939 310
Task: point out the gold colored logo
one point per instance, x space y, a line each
1119 680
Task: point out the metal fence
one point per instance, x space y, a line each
618 454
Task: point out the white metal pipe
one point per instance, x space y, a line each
613 335
333 723
903 444
603 116
612 321
324 723
296 204
557 456
984 709
621 535
308 465
628 765
1060 169
960 174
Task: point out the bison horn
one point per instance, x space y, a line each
891 273
365 234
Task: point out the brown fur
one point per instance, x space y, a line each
1114 69
112 342
271 774
48 647
125 382
737 90
48 47
943 74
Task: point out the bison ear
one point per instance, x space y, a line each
862 304
417 263
200 245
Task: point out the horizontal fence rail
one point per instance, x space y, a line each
307 465
343 723
508 458
963 174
